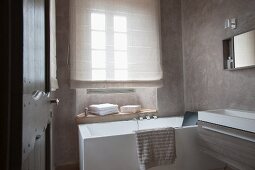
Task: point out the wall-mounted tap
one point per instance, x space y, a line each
148 117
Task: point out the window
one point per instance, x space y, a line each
120 48
115 43
98 46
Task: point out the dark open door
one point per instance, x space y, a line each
36 140
25 117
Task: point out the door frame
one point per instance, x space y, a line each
47 45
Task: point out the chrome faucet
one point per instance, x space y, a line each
148 117
155 117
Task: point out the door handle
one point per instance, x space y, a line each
54 101
36 95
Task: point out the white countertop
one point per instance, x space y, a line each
238 119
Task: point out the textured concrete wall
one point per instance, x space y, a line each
207 85
65 136
170 97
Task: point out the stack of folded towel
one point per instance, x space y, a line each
103 109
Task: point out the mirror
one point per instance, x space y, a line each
239 51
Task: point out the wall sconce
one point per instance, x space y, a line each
231 23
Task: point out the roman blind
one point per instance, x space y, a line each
115 43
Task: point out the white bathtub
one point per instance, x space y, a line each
112 146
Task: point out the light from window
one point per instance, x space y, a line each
120 41
98 42
120 48
120 24
120 58
98 59
98 48
98 74
121 74
98 21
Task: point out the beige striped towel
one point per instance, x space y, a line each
155 147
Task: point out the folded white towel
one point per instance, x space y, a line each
102 106
130 108
103 109
105 112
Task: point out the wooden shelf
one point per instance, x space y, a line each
91 118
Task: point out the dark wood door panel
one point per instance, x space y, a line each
34 160
39 57
36 113
28 47
34 46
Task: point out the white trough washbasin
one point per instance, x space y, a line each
238 119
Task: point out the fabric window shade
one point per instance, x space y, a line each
115 43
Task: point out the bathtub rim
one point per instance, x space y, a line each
90 136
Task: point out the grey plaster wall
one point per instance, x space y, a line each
170 97
207 85
193 29
65 136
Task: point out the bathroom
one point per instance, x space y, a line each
193 43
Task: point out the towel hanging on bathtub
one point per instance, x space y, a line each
155 147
